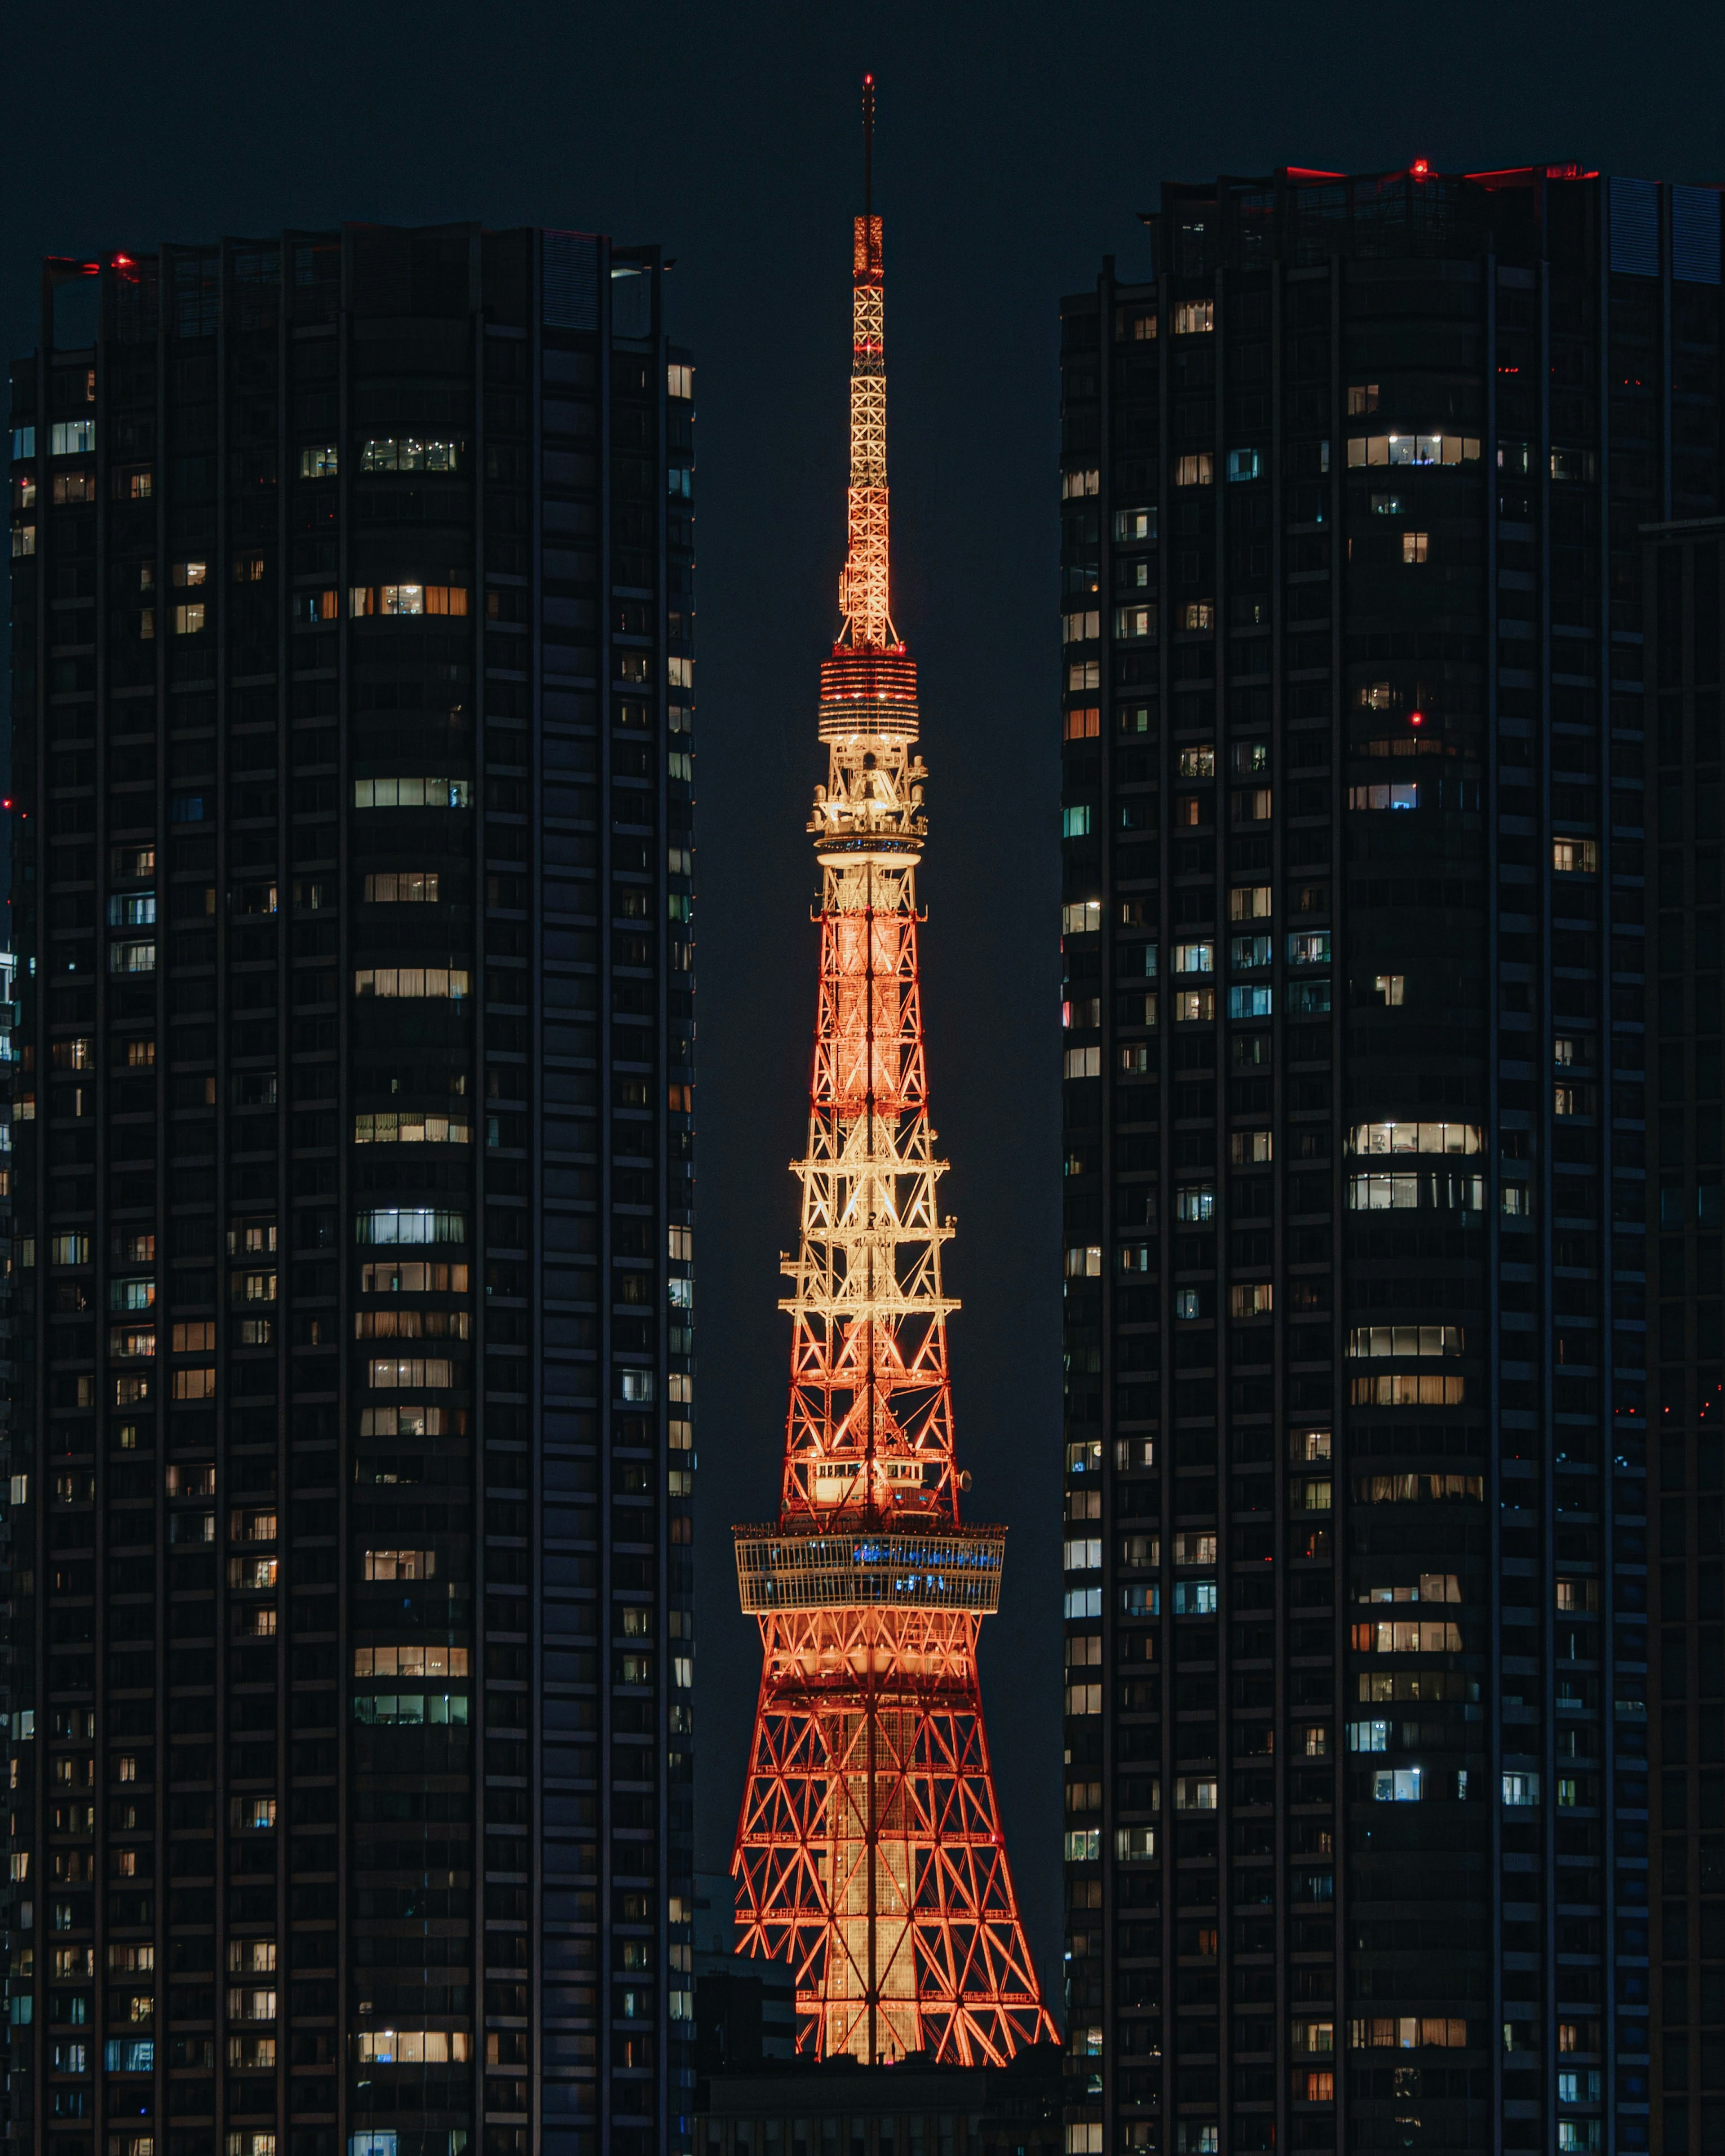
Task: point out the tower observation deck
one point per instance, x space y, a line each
870 1853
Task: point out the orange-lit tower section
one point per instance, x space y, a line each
869 1851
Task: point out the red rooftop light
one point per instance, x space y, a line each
1420 168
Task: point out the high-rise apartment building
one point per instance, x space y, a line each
1686 1473
1356 1166
349 1589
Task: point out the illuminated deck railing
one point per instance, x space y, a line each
946 1569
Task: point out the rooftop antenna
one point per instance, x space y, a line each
868 145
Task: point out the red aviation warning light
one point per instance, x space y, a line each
869 1853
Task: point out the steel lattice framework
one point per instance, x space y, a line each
869 1851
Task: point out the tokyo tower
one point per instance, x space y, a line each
870 1854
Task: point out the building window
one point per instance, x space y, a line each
1415 449
412 792
323 462
405 453
1391 1138
1194 317
442 982
1199 469
1075 484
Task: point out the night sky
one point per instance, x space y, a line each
1016 146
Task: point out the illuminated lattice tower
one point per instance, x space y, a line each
869 1852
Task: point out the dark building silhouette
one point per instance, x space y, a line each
1356 1152
838 2107
349 1540
744 2004
1687 1728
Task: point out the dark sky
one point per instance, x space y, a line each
1016 144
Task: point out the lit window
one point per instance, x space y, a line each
1396 1785
1251 1298
1575 856
1251 1002
678 381
1247 951
1248 902
1131 525
1521 1788
1362 396
1199 469
1404 795
1198 762
1405 1340
450 981
1195 1201
1083 723
1198 613
323 462
1309 947
23 540
1252 1148
1414 546
1391 987
1131 622
412 792
67 438
1081 917
1080 628
1193 317
1415 450
1076 821
1195 1006
1194 957
1414 1138
410 1224
407 454
1074 485
1244 463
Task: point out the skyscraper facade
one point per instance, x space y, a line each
1687 1537
1355 1173
349 1531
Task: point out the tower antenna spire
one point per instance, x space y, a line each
868 145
